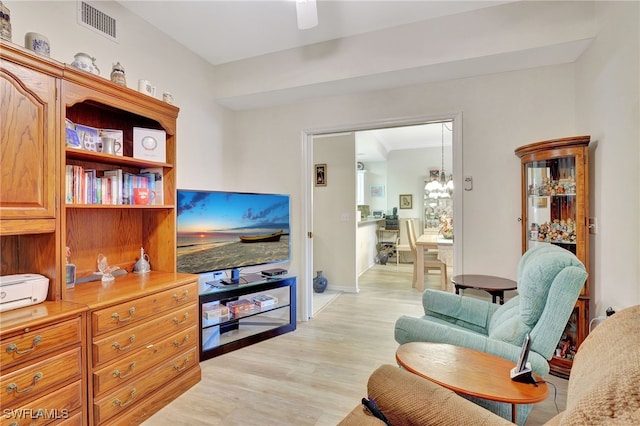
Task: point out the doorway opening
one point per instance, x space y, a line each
331 210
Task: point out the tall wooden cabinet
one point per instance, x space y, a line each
29 119
146 321
555 210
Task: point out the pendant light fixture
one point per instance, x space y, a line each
307 12
440 187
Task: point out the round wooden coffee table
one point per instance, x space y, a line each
495 286
470 372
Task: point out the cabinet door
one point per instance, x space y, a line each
27 142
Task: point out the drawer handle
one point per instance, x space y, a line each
14 388
183 366
186 317
117 346
184 342
14 348
127 402
116 316
116 373
177 298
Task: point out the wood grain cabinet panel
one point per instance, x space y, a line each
34 343
27 142
58 405
43 367
138 365
119 400
118 316
41 376
132 366
142 335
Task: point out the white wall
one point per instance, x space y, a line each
145 53
498 116
607 90
334 212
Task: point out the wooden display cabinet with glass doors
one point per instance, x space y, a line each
555 210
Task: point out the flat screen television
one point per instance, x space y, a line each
219 230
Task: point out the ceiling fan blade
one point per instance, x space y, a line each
307 14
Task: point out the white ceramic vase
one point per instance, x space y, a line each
85 62
38 43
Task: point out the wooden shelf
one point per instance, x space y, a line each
98 157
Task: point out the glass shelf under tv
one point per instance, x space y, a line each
224 333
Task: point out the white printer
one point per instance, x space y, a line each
17 291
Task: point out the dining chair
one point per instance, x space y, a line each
431 261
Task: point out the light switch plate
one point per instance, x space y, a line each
468 183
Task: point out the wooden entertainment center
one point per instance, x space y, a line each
100 352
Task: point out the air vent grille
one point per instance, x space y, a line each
97 20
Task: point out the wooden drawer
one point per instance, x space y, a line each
131 366
121 315
22 384
57 405
138 336
159 399
24 347
74 420
129 394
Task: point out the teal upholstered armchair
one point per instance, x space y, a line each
549 282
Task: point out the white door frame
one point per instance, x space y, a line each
308 184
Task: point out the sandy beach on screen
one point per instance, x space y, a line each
212 257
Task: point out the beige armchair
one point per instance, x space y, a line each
603 387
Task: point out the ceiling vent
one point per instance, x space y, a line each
96 20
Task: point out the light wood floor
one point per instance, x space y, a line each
317 374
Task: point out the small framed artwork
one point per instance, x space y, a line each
321 175
406 201
377 190
539 202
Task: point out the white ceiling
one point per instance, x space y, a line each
222 31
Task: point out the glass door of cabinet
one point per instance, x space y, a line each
551 211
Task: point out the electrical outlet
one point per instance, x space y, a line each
593 225
346 217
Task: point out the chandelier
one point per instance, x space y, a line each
441 187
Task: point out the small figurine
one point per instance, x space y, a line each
117 75
106 270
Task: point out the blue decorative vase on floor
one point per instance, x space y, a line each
319 283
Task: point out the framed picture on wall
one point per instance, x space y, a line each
406 201
377 190
321 175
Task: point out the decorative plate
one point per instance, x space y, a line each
149 143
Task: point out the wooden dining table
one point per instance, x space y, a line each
424 243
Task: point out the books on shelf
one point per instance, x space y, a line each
114 187
265 300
